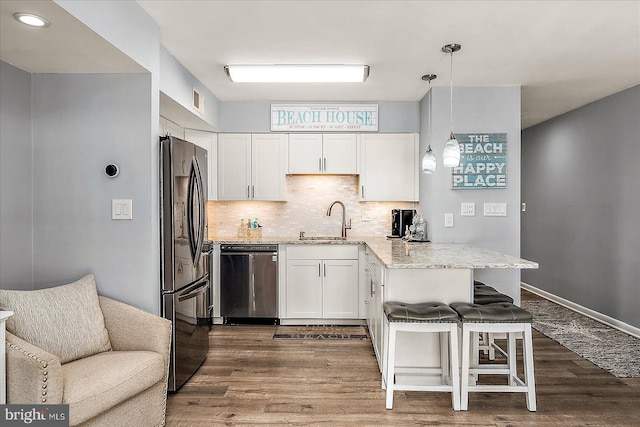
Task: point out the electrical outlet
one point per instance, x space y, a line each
366 216
468 209
495 209
448 220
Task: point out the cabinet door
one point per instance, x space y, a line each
268 166
208 141
340 153
304 289
378 323
340 289
389 167
305 153
170 128
234 173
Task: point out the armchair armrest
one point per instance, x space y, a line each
133 329
33 375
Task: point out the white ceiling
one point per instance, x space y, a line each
564 54
66 46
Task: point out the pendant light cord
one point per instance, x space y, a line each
451 95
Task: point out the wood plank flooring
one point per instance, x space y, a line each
249 379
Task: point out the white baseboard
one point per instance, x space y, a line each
610 321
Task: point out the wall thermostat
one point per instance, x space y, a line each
112 170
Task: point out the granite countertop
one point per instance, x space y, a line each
396 253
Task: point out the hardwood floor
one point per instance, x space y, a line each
249 379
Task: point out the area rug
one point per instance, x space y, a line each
610 349
320 333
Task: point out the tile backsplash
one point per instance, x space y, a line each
308 198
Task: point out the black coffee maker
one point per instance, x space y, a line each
400 220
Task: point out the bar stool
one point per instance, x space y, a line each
430 317
485 294
497 317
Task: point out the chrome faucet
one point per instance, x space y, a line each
345 227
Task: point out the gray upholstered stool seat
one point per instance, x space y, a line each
500 312
426 317
490 298
495 318
420 312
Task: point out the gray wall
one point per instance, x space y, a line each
476 109
16 257
237 116
581 184
178 83
81 123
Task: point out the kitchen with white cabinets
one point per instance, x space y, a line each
83 107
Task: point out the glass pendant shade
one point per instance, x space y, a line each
451 153
429 162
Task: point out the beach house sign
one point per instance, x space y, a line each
324 117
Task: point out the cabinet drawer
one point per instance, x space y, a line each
329 251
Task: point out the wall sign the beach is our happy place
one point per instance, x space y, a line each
483 161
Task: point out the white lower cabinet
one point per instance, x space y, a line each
374 298
322 282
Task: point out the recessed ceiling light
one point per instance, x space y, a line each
31 19
297 73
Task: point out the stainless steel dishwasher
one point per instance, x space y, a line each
249 283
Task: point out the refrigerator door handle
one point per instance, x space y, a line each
198 288
196 224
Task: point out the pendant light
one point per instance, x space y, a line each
451 152
429 164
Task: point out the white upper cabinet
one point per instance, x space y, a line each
251 166
167 127
389 167
208 141
323 153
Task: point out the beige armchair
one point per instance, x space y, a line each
126 386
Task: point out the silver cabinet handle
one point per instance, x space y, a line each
253 191
248 194
325 164
362 191
320 164
319 272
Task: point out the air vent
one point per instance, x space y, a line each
198 101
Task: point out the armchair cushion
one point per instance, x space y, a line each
92 385
65 321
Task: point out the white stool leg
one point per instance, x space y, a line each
527 344
444 357
464 372
484 338
454 366
490 341
511 356
475 351
391 356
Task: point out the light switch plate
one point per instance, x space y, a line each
448 220
468 209
495 209
121 209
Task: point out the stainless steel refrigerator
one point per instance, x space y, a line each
185 292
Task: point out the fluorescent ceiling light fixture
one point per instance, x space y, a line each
31 19
295 73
